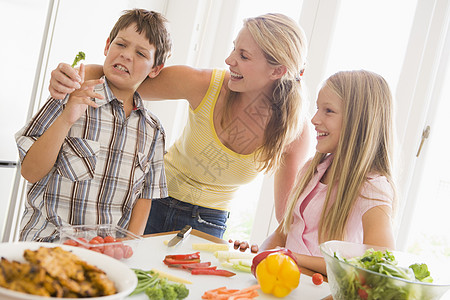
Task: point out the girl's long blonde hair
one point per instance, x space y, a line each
365 146
283 42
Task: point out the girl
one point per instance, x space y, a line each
241 122
346 192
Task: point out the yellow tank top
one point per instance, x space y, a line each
200 170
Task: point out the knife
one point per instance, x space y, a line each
180 235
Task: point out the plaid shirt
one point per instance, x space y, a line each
105 164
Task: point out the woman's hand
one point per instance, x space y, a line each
64 80
80 99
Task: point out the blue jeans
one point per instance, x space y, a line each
169 214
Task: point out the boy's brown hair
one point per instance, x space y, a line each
154 26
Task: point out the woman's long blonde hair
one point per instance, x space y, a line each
283 42
365 146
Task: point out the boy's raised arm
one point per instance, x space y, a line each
42 155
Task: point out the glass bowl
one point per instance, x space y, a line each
347 281
107 239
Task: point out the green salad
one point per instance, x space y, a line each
356 284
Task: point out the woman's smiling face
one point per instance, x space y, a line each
328 120
250 71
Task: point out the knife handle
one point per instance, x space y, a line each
185 231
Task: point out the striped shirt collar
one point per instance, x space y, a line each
105 90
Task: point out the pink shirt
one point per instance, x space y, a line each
303 234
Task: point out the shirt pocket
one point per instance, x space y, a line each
78 159
141 169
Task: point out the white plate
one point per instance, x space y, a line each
124 278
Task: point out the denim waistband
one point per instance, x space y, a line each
195 209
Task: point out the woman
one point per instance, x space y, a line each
252 123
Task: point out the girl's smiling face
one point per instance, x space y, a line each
328 120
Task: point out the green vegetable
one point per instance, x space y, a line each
157 288
421 272
355 284
80 56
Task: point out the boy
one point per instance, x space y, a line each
96 157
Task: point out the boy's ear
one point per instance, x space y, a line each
278 72
155 71
108 43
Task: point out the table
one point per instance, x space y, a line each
152 250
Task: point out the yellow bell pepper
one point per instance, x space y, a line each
278 274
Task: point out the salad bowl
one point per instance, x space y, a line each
353 274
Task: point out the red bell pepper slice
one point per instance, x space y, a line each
170 261
190 256
191 266
188 267
225 273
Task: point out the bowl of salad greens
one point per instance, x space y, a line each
358 271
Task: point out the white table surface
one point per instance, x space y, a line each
152 250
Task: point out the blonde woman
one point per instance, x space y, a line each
241 122
346 192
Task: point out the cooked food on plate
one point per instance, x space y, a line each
55 272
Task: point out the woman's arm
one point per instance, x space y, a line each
177 82
377 226
294 159
174 82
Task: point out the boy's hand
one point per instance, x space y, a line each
80 99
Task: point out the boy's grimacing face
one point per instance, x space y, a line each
129 59
328 120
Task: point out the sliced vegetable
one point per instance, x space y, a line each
170 261
190 256
278 274
191 266
202 271
226 255
243 265
223 293
210 247
171 277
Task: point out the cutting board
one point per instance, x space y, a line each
152 250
